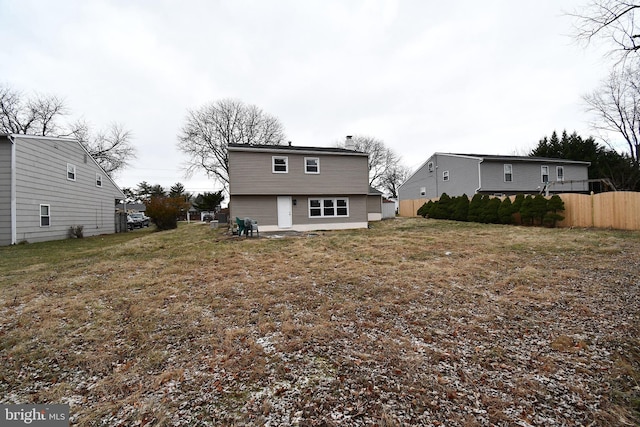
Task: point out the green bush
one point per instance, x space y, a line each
554 205
460 208
490 208
164 211
475 208
505 211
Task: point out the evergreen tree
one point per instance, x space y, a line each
517 204
490 210
460 208
526 213
539 208
475 208
505 211
554 205
442 208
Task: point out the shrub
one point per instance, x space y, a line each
475 208
425 208
554 205
505 211
164 211
526 211
442 208
489 214
539 208
460 208
75 232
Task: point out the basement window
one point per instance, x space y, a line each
319 208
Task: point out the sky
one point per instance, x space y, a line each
424 76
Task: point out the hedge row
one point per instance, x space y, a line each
526 210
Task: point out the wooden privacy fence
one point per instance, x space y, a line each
618 209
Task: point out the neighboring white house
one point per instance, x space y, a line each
47 186
458 174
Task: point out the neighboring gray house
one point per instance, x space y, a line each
457 174
48 185
298 188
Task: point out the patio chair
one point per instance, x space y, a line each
241 228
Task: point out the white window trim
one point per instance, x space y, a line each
335 207
98 180
510 172
560 176
317 159
445 175
430 167
273 164
71 169
542 174
44 216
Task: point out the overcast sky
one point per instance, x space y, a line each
424 76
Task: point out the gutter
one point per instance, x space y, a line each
14 220
479 176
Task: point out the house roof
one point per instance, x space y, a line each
296 149
374 191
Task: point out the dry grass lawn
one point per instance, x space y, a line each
412 322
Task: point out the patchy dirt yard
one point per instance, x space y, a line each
413 322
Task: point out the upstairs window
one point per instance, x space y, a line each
98 180
311 165
430 166
544 173
560 173
45 216
445 176
280 164
508 173
71 172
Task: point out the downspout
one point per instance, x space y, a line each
479 176
14 233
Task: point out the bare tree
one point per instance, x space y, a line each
617 108
381 158
613 20
111 148
394 178
209 130
41 115
33 116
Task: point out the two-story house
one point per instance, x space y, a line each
457 174
47 186
287 187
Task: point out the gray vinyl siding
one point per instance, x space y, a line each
264 209
5 192
374 204
527 177
251 173
41 178
463 175
463 178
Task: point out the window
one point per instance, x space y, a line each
280 164
423 191
544 172
319 208
508 173
445 176
311 165
45 215
430 166
560 173
98 180
71 172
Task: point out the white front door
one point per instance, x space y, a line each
284 212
